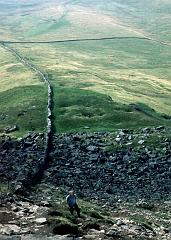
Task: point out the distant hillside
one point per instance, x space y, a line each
72 19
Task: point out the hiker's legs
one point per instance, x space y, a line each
71 210
77 209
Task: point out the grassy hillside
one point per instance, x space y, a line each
150 18
13 74
81 19
23 97
51 20
99 85
106 84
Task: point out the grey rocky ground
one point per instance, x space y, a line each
44 216
20 159
108 166
122 179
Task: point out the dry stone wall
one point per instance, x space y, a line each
26 174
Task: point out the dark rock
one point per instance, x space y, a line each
145 205
20 114
96 215
160 128
55 213
18 188
64 228
77 138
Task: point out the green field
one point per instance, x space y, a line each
98 85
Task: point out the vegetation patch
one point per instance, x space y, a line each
24 107
79 110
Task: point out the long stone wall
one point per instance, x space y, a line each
27 176
88 39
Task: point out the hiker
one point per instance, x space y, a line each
72 203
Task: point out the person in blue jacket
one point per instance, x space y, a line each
72 203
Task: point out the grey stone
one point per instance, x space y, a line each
91 148
113 233
41 220
141 142
2 237
44 237
11 129
9 229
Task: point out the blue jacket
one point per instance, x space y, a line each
71 200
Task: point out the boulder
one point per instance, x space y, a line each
41 220
141 142
11 129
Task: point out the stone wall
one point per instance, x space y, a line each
28 176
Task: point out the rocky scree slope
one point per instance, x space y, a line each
21 161
125 164
122 180
129 165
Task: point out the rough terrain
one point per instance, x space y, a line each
122 180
